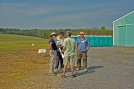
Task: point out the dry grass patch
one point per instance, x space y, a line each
127 52
21 65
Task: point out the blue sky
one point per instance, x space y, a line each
51 14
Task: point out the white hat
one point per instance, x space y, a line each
53 33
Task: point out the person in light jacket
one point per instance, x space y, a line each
59 42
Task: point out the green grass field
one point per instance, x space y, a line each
19 59
8 42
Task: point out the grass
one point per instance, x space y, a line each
19 59
20 42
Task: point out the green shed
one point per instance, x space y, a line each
97 41
74 37
101 41
106 40
123 30
91 40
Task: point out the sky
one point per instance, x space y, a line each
62 14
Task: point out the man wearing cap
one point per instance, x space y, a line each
82 47
53 53
59 42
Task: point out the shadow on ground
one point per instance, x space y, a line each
94 67
90 70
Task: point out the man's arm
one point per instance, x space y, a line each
58 42
76 48
88 46
51 48
64 48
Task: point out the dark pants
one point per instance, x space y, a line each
59 61
82 55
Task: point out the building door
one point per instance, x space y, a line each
130 35
122 35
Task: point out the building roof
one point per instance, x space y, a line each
123 16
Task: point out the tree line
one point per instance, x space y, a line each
45 33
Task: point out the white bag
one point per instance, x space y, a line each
62 53
41 50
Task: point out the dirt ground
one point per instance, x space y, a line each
108 68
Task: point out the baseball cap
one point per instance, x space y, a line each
53 33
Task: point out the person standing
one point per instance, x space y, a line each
68 49
82 47
59 42
53 53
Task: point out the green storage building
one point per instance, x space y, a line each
98 41
123 30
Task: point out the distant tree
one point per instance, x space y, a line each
103 31
110 32
45 33
96 31
81 29
88 32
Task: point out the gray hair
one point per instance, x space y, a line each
68 33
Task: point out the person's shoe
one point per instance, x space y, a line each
73 75
61 70
77 69
85 69
56 71
63 76
53 74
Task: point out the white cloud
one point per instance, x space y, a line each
24 15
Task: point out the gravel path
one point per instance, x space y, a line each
109 68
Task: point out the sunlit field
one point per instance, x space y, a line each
19 59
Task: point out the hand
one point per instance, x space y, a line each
61 52
59 44
76 50
51 52
86 50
